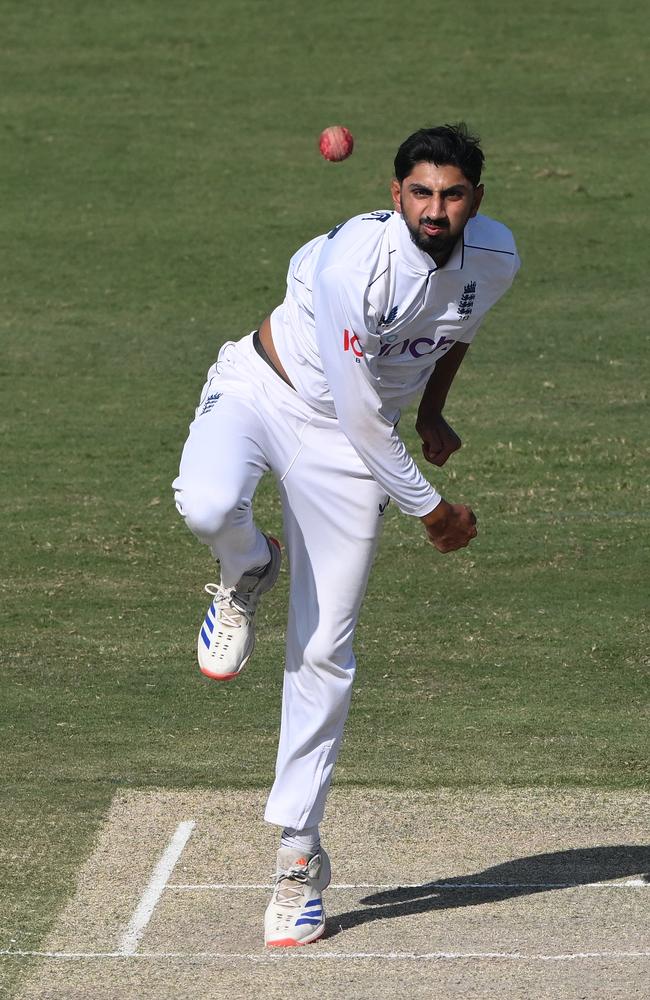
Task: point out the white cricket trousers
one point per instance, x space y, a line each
249 421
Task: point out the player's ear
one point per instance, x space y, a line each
395 190
479 191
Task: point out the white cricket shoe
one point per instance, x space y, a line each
295 914
227 635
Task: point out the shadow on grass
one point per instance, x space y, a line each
521 877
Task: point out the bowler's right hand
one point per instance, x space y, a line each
450 526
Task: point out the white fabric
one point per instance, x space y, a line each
249 420
365 318
306 841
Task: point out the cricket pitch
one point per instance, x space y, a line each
441 894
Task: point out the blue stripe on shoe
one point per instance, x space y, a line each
205 637
307 920
313 902
209 623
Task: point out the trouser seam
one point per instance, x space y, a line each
298 450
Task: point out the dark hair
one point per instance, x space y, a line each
442 145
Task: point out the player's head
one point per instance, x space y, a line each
443 145
437 187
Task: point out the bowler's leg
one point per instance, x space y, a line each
331 520
222 462
221 466
332 516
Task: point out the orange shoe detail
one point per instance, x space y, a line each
292 943
217 677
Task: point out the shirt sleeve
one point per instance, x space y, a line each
501 281
466 336
342 320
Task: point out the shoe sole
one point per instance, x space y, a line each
292 943
227 677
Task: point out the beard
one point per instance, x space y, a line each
439 247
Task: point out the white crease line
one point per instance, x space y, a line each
632 883
154 890
316 955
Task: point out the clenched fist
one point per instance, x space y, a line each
450 526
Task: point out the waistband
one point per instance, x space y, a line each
257 344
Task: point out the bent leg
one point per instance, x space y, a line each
222 462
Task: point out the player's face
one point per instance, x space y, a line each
435 203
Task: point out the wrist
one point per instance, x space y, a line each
438 513
428 411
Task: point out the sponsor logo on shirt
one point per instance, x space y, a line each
466 303
351 343
419 347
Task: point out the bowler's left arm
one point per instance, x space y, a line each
439 440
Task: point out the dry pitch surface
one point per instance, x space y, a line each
491 894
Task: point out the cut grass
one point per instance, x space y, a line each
159 167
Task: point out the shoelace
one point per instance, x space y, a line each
288 895
229 614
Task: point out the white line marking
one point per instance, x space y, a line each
632 883
154 890
293 954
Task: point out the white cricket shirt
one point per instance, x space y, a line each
367 315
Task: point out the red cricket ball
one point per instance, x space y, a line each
336 143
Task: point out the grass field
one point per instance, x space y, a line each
159 167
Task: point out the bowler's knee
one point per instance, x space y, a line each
208 513
325 653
